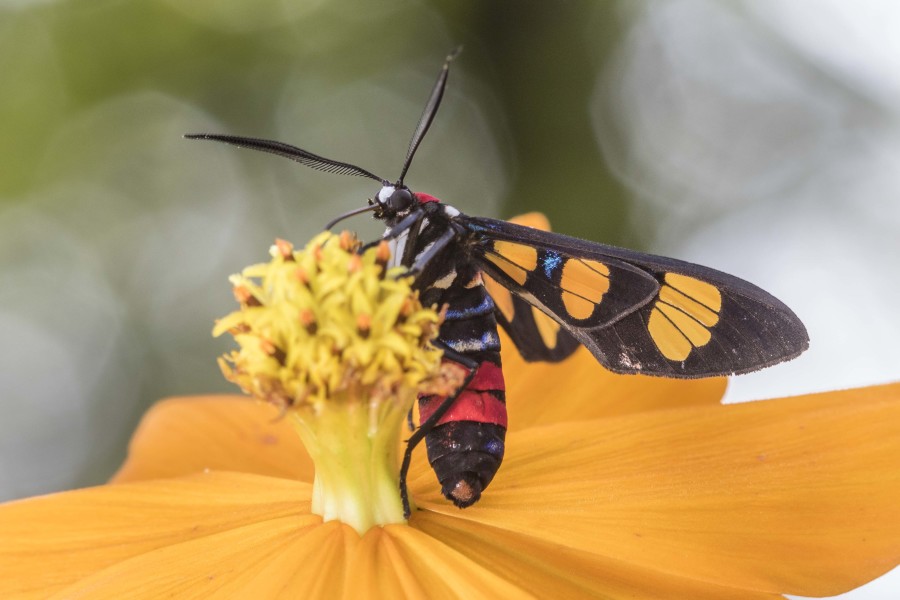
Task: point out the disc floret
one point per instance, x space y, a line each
341 344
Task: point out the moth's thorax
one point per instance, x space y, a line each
397 246
435 221
425 198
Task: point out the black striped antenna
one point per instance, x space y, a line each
292 152
434 102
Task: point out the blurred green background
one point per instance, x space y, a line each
759 137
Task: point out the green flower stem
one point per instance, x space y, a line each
354 444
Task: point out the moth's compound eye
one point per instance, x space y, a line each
400 200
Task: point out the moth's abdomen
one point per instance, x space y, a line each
466 447
465 456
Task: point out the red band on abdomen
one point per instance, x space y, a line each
482 407
488 377
475 403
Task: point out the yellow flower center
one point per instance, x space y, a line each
341 344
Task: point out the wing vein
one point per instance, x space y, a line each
689 297
685 313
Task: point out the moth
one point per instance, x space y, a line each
635 312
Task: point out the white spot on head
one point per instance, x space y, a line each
385 193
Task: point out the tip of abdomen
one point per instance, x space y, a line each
463 492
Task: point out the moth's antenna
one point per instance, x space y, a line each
292 152
347 215
437 93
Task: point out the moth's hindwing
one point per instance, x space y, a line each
537 336
637 313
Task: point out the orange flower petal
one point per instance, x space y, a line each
220 534
400 562
52 542
579 388
793 496
550 570
536 220
266 559
276 558
180 436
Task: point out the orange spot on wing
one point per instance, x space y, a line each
519 254
584 282
671 342
682 315
585 278
692 329
702 292
576 306
513 271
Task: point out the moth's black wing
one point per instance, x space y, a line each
574 286
639 313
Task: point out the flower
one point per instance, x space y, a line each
341 345
328 321
613 486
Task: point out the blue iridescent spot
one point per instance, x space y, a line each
494 447
486 306
550 262
480 226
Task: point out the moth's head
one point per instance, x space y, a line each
394 201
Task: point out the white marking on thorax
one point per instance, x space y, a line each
446 281
425 249
476 281
398 246
450 211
